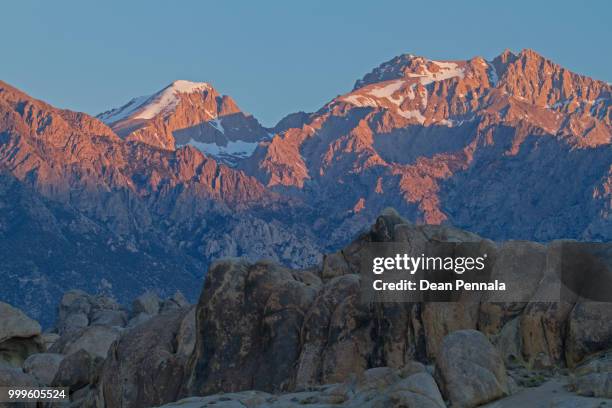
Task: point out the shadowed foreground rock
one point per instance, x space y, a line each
248 327
470 369
146 365
76 353
263 327
43 366
377 387
19 336
263 335
593 378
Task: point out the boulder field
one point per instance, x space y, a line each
264 335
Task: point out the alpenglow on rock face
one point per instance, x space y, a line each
501 147
141 198
188 113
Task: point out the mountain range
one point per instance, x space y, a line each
146 195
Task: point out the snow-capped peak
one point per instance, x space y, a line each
147 107
166 99
410 66
183 86
405 77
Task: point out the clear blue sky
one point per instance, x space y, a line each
273 57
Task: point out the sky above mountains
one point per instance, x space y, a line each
273 57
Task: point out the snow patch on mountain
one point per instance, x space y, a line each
388 90
361 101
234 150
167 99
216 123
413 114
493 77
446 70
117 114
424 73
147 107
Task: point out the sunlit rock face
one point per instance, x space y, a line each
189 113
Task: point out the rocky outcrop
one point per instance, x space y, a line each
12 377
586 334
78 310
248 327
77 371
470 369
293 120
83 357
43 366
158 346
261 326
96 340
19 336
266 335
593 378
521 265
541 326
147 303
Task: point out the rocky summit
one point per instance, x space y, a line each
189 113
147 195
264 335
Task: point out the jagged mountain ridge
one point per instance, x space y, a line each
188 113
517 147
413 128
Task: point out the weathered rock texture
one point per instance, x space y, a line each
471 370
146 365
43 366
593 378
266 335
264 327
19 336
86 351
78 310
248 326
